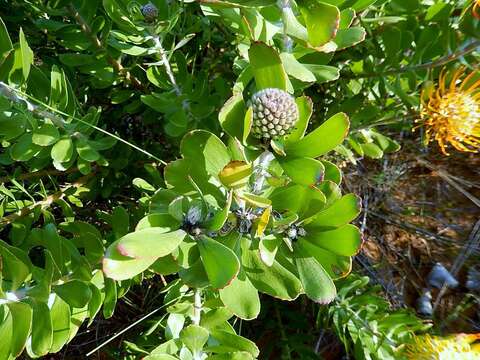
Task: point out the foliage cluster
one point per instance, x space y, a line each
127 156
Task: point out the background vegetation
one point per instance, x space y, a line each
141 218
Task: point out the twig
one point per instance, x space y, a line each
197 307
166 64
410 227
439 62
49 200
117 66
134 324
38 174
283 335
449 179
466 251
19 96
15 96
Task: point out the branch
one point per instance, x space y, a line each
12 95
439 62
117 66
38 174
197 307
49 200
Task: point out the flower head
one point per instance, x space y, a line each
459 347
451 114
274 113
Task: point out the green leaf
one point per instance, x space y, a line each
194 337
232 115
323 139
303 171
95 303
336 266
21 325
14 269
316 282
6 46
231 343
42 330
292 26
221 264
267 67
268 247
339 213
135 252
205 150
110 297
332 172
305 110
166 222
12 126
321 20
297 198
241 297
165 265
346 18
296 69
215 317
236 174
86 151
45 135
247 125
273 280
142 184
120 221
371 150
345 240
349 37
6 334
219 219
256 200
27 55
60 314
62 151
74 292
24 149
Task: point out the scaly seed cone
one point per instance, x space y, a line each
274 113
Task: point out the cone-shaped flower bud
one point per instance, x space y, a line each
274 113
149 12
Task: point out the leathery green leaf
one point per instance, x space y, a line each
267 67
21 325
220 263
337 266
321 19
273 280
241 297
321 140
303 171
318 285
339 213
135 252
305 110
345 240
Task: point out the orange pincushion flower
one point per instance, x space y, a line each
476 8
458 347
451 114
